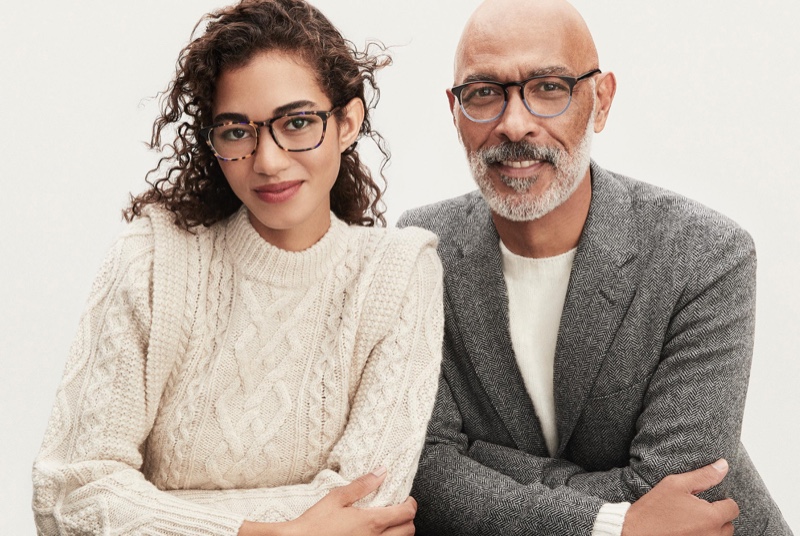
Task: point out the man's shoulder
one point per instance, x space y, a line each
658 211
445 217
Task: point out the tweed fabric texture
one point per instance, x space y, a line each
216 378
536 291
650 375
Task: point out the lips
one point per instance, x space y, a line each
519 164
520 169
520 154
278 192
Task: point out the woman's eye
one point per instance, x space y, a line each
297 123
236 134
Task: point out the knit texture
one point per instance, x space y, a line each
610 519
537 289
216 378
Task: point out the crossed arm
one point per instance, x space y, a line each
690 416
88 476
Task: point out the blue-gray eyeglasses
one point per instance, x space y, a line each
483 101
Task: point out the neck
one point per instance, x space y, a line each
296 237
555 233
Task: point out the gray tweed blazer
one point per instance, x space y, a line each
651 369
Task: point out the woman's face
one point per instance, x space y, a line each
287 194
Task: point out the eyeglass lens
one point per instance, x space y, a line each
292 133
548 96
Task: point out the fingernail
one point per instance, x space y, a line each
720 465
380 471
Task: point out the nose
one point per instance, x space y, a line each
517 122
269 159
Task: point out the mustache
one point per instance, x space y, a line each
519 150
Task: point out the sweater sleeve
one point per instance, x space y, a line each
87 477
403 321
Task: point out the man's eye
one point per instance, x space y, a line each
550 86
482 91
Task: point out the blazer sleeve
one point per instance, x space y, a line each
694 403
460 495
691 415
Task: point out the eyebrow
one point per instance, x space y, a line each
292 106
280 110
545 71
236 118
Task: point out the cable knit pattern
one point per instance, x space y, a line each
216 378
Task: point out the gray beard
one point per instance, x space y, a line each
522 205
519 185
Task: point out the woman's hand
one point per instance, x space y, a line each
335 515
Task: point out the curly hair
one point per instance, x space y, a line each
193 186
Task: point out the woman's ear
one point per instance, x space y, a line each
350 124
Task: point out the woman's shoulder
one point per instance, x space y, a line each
398 267
160 221
393 256
152 241
408 242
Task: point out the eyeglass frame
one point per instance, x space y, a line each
572 81
205 132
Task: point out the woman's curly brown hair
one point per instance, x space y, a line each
194 187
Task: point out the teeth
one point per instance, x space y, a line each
519 164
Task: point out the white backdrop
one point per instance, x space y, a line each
707 105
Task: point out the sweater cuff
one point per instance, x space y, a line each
609 519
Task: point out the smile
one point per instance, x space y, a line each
519 164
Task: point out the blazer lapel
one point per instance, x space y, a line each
479 297
601 287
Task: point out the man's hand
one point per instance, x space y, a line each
672 509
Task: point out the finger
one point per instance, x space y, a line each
727 529
360 487
406 529
704 478
726 509
397 515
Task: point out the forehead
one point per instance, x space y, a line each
267 81
514 48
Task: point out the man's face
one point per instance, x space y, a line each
525 165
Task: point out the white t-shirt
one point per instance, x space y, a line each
537 289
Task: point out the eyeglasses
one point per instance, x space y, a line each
294 132
543 96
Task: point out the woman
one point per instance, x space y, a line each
253 341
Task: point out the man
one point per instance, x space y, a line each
599 330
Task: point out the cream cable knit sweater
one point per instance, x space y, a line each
216 378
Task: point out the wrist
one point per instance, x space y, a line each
253 528
610 519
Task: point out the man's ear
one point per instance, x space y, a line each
606 89
453 103
350 124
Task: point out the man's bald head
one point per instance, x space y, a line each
530 164
496 24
